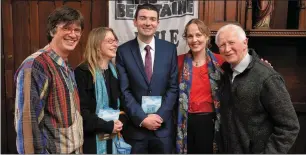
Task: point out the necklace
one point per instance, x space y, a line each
198 63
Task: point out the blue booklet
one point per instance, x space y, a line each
109 114
150 104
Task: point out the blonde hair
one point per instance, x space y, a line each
92 50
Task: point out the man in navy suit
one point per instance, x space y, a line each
147 66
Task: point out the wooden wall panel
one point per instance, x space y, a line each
34 22
3 107
44 9
58 3
3 115
219 13
241 13
201 10
21 29
214 14
85 6
7 24
248 14
104 14
279 15
302 19
231 9
99 11
8 63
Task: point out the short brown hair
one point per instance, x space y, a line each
65 15
201 26
146 6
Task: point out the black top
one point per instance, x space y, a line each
107 79
92 124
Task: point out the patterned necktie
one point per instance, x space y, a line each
148 62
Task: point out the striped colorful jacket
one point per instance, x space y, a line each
47 106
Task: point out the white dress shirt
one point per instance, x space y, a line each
244 63
143 52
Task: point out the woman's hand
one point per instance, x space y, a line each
117 126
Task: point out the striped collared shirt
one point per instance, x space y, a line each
47 106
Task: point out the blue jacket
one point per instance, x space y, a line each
134 84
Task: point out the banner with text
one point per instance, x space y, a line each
173 15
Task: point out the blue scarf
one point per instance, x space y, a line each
214 74
102 101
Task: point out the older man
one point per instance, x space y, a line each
47 107
258 114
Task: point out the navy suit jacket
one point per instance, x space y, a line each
134 84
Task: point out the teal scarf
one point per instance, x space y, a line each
102 101
214 74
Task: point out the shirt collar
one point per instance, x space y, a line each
56 58
243 64
142 45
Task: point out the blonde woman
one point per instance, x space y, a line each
98 87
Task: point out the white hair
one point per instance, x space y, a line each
231 27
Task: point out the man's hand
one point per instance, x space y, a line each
117 126
152 122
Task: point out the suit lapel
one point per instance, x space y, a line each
158 57
138 59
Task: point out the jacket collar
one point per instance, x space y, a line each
142 45
255 58
227 67
84 66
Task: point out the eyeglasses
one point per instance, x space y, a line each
67 29
111 41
